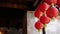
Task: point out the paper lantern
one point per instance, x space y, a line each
38 14
51 1
38 25
45 19
43 7
58 3
52 12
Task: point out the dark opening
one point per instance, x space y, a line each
11 17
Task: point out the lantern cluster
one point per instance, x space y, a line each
45 12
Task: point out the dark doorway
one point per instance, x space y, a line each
11 17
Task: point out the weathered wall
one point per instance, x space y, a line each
30 23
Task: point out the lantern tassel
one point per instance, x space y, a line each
39 31
53 19
52 5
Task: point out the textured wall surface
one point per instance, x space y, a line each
52 28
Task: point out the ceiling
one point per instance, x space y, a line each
21 4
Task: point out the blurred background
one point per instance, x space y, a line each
13 18
13 15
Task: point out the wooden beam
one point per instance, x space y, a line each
9 5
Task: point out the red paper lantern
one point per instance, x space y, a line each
58 3
51 1
38 13
45 19
38 25
52 12
43 7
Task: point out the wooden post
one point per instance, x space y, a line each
25 23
